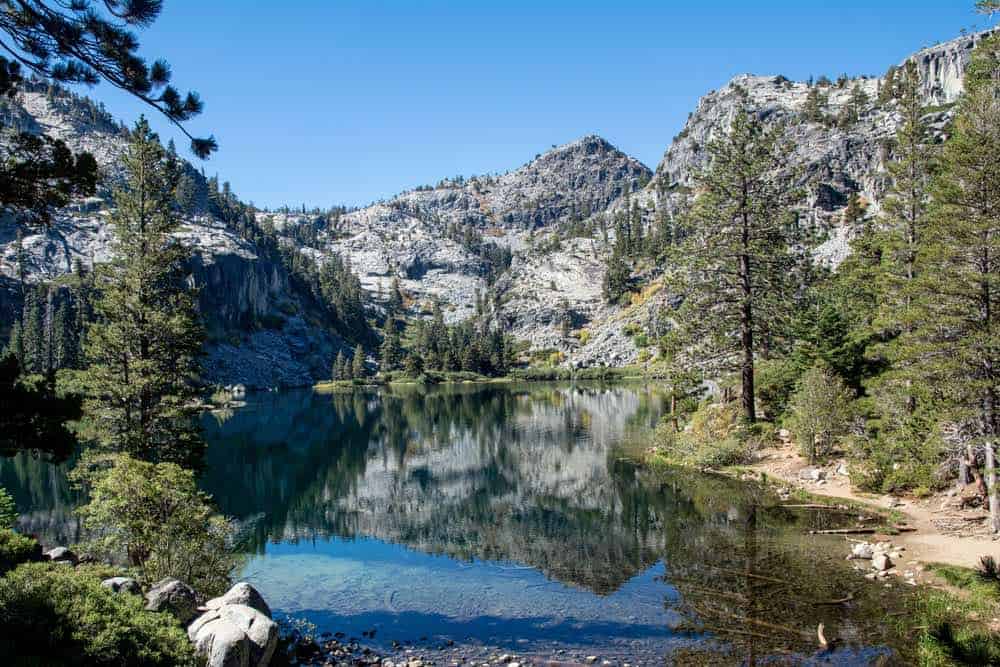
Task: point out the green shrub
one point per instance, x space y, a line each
153 516
16 549
716 437
54 614
774 381
820 411
8 510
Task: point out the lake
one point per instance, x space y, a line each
512 518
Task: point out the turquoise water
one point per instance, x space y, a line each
506 516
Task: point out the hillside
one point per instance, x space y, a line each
535 238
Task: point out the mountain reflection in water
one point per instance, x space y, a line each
508 515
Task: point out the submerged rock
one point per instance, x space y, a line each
881 562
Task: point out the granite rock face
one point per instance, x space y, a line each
439 241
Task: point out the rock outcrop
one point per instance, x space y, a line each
442 242
174 597
236 630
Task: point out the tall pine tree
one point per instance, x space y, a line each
737 259
954 341
143 350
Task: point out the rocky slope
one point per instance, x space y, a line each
448 242
241 292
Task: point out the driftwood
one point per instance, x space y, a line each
843 600
817 506
843 531
823 643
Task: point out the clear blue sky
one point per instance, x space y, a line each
330 102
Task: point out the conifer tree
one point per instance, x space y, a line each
955 339
358 363
391 351
143 349
737 260
815 106
88 41
339 366
905 220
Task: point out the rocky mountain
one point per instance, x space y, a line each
535 238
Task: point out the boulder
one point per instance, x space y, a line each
814 474
241 593
175 597
234 635
61 555
122 585
881 562
862 550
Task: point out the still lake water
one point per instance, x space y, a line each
510 516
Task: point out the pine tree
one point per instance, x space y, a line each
358 363
954 344
737 259
905 219
887 89
815 106
79 43
15 344
339 366
395 305
616 277
391 351
143 349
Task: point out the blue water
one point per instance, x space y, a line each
509 517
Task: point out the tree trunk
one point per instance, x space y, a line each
991 487
746 317
746 343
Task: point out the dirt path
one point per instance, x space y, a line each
944 532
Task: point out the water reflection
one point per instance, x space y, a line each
506 515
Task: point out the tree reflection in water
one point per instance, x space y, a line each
533 475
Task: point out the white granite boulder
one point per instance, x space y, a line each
234 635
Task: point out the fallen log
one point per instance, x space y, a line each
843 531
843 600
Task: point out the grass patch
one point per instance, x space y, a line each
954 627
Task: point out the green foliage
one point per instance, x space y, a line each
816 105
81 43
8 510
51 614
32 415
820 411
617 278
716 436
477 345
358 370
776 381
39 174
16 549
145 346
739 262
951 629
154 516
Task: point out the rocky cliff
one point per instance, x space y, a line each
259 324
442 242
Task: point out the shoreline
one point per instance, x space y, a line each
939 532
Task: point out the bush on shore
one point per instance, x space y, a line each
715 437
16 549
56 614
